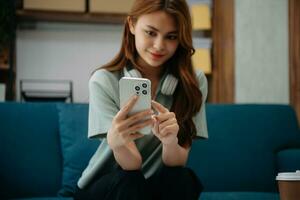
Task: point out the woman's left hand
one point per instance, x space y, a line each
165 127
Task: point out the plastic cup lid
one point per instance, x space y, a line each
288 176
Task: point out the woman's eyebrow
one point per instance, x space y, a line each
149 26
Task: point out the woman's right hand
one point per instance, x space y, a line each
124 129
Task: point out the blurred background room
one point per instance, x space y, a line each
249 49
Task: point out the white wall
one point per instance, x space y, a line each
65 51
261 62
2 92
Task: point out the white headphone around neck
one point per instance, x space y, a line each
168 86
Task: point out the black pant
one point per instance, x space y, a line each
168 183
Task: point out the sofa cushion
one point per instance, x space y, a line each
240 153
30 158
239 196
77 149
288 160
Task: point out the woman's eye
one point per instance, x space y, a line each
172 37
150 33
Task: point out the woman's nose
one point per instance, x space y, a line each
159 44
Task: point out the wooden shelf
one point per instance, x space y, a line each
53 16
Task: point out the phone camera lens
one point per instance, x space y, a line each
137 88
144 85
144 92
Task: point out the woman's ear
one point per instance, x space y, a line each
131 25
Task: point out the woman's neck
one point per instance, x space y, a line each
149 72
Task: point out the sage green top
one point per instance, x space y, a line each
104 104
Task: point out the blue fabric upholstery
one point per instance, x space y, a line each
240 154
239 196
44 148
77 149
30 153
288 160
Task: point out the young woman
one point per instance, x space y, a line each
157 44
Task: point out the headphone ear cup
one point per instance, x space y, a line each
169 85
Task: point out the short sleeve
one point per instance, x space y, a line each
200 118
103 103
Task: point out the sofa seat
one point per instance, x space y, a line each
204 196
239 196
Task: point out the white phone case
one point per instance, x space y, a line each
129 86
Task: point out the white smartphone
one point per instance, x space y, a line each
129 86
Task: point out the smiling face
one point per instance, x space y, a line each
156 38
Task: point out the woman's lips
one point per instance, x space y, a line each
156 56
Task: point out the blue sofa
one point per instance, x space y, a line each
43 149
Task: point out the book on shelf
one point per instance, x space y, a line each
201 16
202 60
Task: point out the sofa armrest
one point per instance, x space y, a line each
288 160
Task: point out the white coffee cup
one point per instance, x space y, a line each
289 185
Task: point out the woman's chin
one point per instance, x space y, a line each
155 64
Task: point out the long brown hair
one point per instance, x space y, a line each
187 97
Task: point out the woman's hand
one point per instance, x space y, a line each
124 129
165 125
166 130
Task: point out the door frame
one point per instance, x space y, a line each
294 55
222 82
